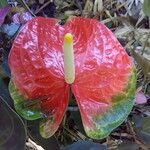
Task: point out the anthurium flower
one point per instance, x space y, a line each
47 60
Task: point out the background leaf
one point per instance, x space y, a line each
3 3
144 133
146 7
4 66
4 93
13 133
142 127
143 62
85 145
128 146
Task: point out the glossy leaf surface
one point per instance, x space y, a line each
105 78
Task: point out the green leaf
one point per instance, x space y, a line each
3 3
12 130
146 7
28 109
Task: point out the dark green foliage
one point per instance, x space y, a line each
85 145
12 130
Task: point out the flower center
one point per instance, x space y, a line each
69 67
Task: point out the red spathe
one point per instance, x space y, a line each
102 66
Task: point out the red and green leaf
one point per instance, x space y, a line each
104 78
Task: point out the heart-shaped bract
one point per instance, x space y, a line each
104 85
